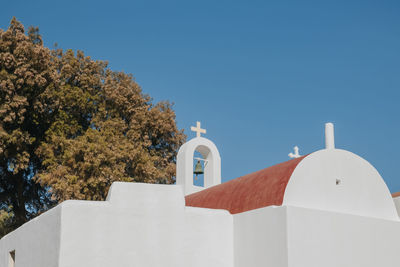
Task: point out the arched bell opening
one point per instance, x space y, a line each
199 164
203 150
205 160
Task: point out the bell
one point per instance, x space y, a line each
198 169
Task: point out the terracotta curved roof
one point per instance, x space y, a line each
397 194
252 191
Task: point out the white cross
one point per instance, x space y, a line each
198 130
296 153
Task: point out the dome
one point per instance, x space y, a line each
330 179
252 191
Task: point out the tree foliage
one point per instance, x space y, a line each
70 126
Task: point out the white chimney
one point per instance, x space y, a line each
329 136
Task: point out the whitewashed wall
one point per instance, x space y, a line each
208 238
36 243
320 238
397 204
300 237
139 225
260 238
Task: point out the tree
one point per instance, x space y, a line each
25 76
69 127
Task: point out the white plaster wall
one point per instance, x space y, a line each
260 238
208 238
300 237
36 243
148 225
361 191
144 225
321 238
139 225
396 201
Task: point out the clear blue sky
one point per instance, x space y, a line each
262 76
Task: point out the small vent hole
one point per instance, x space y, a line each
11 259
338 181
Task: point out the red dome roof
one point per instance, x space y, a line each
397 194
252 191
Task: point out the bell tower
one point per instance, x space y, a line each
184 165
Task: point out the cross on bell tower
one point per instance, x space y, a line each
198 129
208 153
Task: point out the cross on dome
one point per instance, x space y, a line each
296 154
198 129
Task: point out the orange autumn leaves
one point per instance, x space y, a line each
70 126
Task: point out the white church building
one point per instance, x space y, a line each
330 208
